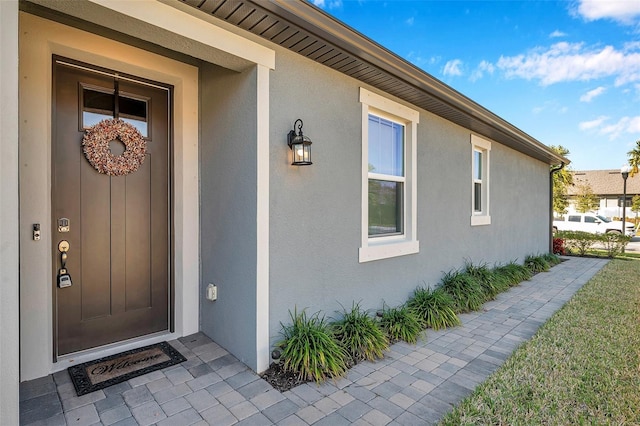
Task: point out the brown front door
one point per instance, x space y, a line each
118 227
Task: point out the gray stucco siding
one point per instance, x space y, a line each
228 208
315 211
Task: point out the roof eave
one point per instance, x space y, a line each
435 96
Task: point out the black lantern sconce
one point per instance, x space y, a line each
300 145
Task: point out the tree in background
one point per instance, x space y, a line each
634 158
635 205
586 200
562 180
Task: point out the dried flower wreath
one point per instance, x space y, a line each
96 147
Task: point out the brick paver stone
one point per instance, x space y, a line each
83 416
114 415
148 413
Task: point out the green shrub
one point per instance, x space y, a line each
486 278
614 243
578 241
513 273
468 294
309 348
401 323
536 264
360 335
581 242
435 308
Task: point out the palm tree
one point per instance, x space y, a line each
634 158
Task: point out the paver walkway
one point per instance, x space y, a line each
413 384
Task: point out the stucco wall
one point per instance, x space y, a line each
9 243
315 211
228 208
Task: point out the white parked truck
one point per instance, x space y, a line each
592 223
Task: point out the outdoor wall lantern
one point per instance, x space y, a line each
300 145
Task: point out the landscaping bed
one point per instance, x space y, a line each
314 349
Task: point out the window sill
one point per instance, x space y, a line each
388 249
480 220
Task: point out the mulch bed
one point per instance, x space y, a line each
285 380
281 380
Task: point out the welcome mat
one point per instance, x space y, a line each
108 371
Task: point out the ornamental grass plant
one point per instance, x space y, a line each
468 295
513 273
536 264
401 323
314 349
552 259
360 335
435 308
486 278
309 348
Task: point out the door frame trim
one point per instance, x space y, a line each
64 61
40 38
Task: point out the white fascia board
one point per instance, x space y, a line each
176 21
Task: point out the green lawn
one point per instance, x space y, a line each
603 253
582 367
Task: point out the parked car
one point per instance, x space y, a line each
592 223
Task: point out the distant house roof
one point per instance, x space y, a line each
604 182
307 30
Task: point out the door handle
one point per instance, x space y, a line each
63 248
64 279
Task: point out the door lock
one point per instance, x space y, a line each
63 224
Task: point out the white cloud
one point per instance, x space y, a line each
593 124
557 34
624 125
482 68
588 97
453 68
410 21
623 11
551 107
421 61
331 4
574 62
632 45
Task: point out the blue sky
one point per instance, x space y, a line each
565 72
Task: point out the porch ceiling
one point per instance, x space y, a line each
307 30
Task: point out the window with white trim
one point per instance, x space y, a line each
480 153
388 178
